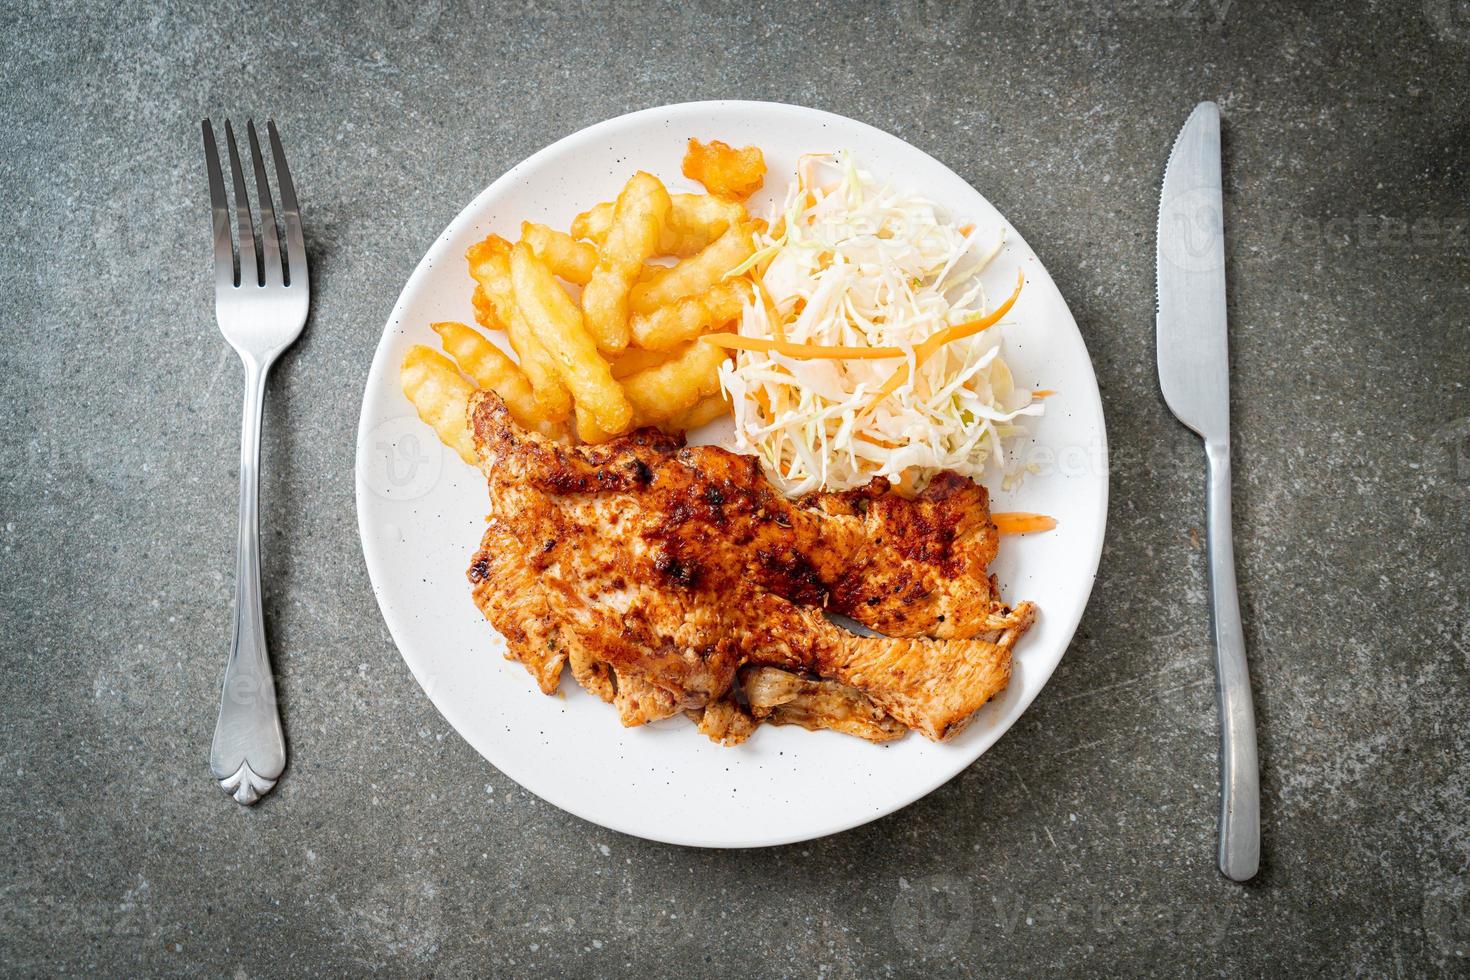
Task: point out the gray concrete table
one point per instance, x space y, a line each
1083 842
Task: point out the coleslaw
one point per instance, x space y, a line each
852 264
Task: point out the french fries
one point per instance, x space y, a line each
723 170
564 255
705 411
642 211
672 388
488 367
552 393
587 429
558 325
626 352
694 221
636 359
685 319
441 397
485 314
695 274
490 266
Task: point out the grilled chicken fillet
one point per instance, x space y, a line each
676 579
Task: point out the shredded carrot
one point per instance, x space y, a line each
948 335
1020 522
808 352
966 229
763 402
777 327
1042 393
735 341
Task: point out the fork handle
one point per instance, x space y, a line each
249 749
1240 785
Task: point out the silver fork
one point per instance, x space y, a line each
261 307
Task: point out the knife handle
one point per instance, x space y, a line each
1240 781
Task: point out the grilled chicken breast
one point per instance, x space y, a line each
677 579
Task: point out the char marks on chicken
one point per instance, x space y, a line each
672 578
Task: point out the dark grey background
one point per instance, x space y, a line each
1084 842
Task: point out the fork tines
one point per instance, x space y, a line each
258 259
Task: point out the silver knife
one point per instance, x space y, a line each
1194 373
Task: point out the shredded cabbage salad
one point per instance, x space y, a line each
850 262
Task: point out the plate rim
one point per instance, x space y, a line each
370 550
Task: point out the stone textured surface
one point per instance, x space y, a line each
1082 843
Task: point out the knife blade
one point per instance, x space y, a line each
1193 359
1194 375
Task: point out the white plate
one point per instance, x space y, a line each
421 511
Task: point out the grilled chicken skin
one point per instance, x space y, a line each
673 578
